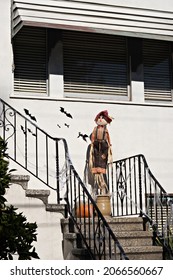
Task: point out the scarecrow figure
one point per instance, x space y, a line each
100 153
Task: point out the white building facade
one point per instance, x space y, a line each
89 56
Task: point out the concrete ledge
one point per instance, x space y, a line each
21 180
59 208
40 194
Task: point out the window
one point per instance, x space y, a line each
95 64
91 66
157 70
30 60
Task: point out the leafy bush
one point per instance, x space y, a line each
16 234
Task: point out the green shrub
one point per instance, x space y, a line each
16 234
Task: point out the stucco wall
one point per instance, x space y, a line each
49 236
136 128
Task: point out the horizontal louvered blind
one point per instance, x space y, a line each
30 59
157 70
94 64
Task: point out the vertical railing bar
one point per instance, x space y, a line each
94 235
99 237
117 181
113 188
80 206
57 170
36 151
47 161
156 207
26 144
140 187
126 199
130 183
167 207
151 198
84 205
115 250
104 239
134 159
161 199
15 131
89 221
4 121
145 183
110 247
73 200
72 186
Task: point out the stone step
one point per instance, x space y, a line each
144 252
41 194
117 224
135 238
129 239
138 253
125 223
137 244
60 208
21 180
38 193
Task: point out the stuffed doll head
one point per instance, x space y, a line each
103 118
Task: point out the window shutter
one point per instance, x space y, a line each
30 59
94 64
157 70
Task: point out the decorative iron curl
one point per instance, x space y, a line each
5 123
121 182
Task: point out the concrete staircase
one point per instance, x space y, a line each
136 242
41 194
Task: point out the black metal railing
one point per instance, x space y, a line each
32 148
135 191
47 159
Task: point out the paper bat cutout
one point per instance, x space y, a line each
62 110
22 128
29 114
67 125
83 136
25 131
31 132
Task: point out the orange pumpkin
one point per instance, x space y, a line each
84 210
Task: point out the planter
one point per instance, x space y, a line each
104 205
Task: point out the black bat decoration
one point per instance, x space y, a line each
29 114
22 128
67 125
83 136
31 132
62 110
25 131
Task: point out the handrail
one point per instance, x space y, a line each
95 232
138 192
16 126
